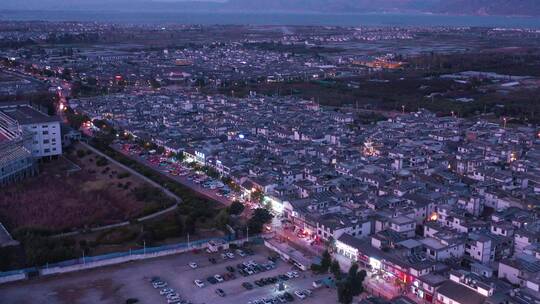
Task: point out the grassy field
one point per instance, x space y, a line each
64 197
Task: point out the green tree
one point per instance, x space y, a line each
189 224
75 119
356 279
260 217
326 261
345 295
335 269
236 208
222 219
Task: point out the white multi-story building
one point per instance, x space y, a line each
45 129
16 161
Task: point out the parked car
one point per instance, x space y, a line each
173 295
218 278
283 277
165 291
288 297
247 285
199 283
220 292
159 284
174 301
300 294
193 265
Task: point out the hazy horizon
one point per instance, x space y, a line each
455 7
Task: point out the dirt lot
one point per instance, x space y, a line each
69 193
115 284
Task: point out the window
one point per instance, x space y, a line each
47 150
45 141
45 132
45 126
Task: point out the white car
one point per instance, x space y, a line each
174 300
218 278
230 255
224 256
165 291
193 265
173 295
240 253
295 274
159 284
290 274
307 292
300 295
199 283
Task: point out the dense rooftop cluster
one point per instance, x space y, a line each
425 194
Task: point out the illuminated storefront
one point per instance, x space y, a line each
275 204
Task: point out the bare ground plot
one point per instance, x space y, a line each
116 284
59 198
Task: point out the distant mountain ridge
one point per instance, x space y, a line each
461 7
491 7
466 7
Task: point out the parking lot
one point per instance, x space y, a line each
118 283
199 182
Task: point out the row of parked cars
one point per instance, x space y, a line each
272 280
170 294
283 298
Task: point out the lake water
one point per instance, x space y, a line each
155 17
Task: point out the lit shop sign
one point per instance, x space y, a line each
376 264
